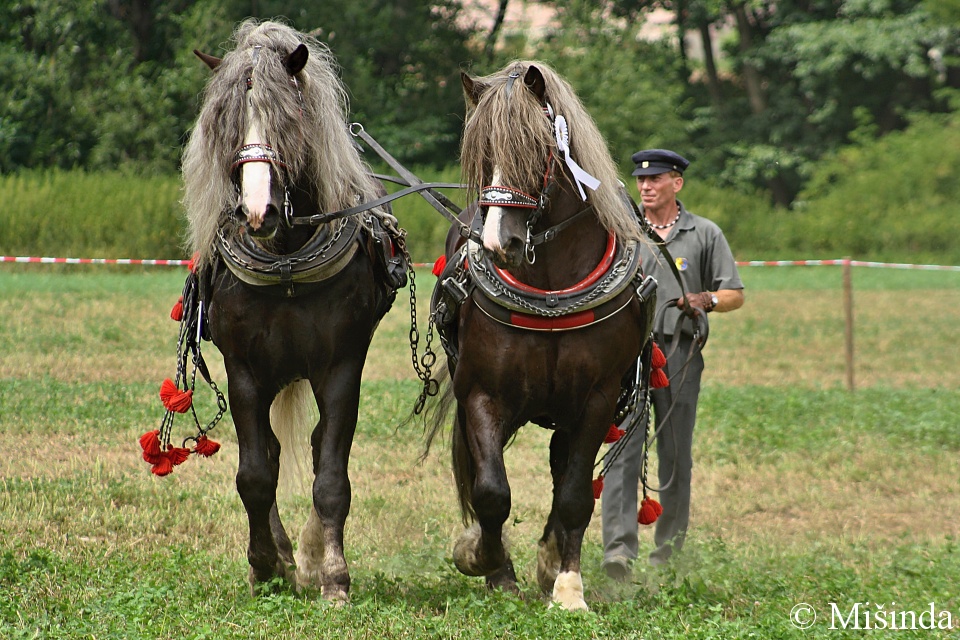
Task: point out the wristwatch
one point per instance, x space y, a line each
714 301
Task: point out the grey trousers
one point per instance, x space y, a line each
621 488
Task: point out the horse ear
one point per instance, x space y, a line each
211 61
533 78
297 60
472 89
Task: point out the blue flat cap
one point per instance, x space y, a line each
650 162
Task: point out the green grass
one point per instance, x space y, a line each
803 492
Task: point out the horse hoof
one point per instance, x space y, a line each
548 563
568 592
308 578
467 558
465 552
504 578
335 595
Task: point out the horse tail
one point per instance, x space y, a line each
435 418
293 416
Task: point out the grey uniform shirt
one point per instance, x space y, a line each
703 259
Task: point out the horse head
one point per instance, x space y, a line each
508 158
260 174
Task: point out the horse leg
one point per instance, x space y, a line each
284 546
574 503
257 474
320 558
480 551
548 552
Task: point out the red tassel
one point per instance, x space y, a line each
597 487
177 312
613 434
439 265
162 467
174 399
192 264
650 510
168 459
658 379
206 447
178 455
657 360
150 443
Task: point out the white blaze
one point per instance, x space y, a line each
254 178
491 227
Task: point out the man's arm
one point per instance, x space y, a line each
727 300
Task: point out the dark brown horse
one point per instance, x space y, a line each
542 318
291 300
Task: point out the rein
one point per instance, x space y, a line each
447 208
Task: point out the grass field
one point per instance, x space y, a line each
803 492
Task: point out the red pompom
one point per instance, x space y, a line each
439 265
613 434
177 312
657 359
206 447
658 379
597 487
174 399
650 510
150 443
192 264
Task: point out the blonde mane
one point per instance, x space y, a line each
508 129
309 132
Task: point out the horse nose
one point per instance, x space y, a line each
268 226
510 255
259 227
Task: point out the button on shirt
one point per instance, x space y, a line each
703 258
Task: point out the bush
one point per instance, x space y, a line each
122 215
91 215
892 198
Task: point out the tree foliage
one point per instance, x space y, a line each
102 84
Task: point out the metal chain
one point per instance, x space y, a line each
596 292
422 365
319 253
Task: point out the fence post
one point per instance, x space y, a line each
848 316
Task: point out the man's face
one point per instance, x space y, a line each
658 191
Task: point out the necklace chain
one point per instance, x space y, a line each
663 226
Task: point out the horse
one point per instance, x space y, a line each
293 285
542 310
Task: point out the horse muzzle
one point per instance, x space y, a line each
509 256
504 237
263 226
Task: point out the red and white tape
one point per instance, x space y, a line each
750 263
32 259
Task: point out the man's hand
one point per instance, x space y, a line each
702 301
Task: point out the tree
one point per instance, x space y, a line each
631 87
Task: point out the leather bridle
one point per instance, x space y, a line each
511 197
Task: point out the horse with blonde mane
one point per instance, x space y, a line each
294 276
543 313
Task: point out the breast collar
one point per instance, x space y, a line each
327 252
504 299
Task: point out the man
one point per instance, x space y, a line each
712 284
